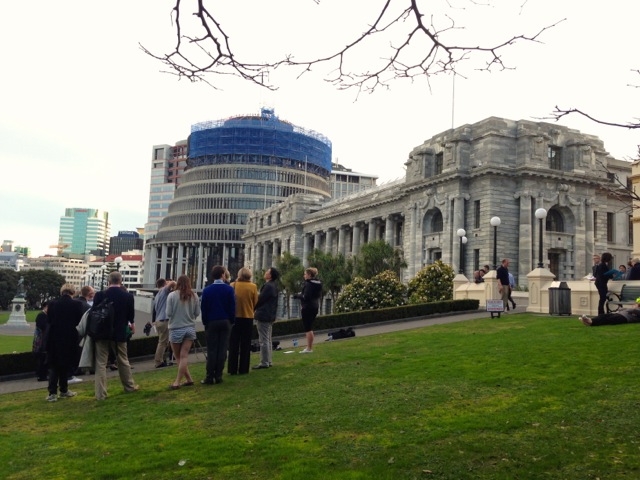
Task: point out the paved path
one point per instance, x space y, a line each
26 382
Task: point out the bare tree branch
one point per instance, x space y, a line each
208 52
558 113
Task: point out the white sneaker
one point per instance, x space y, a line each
306 350
52 398
73 380
67 394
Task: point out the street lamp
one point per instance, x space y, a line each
495 223
118 261
461 233
541 214
104 270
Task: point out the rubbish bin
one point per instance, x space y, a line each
560 300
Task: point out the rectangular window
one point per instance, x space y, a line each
630 229
476 259
476 214
610 227
439 163
595 224
158 154
555 157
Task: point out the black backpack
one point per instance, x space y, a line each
100 321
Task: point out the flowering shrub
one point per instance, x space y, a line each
432 284
380 291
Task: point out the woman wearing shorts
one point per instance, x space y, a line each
310 298
183 308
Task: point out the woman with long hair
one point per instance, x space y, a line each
310 299
183 308
240 339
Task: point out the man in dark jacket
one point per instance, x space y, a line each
64 315
310 298
124 313
218 309
265 314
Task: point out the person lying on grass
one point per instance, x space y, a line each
626 315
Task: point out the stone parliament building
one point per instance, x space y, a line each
461 178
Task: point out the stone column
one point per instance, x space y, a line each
341 242
526 236
317 240
388 230
163 261
589 237
180 260
274 251
458 222
306 243
328 248
202 266
356 239
372 231
412 261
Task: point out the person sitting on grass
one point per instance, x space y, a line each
626 315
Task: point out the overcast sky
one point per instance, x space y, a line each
81 105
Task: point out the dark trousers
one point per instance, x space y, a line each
240 346
217 333
58 375
41 367
608 319
602 291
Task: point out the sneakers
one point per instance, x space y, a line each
73 380
67 394
162 365
52 398
306 350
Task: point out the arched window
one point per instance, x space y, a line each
555 222
437 224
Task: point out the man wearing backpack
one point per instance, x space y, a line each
124 312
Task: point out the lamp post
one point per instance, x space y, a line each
118 261
495 223
541 214
104 270
461 233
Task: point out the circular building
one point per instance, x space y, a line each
235 166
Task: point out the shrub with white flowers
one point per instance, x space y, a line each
381 291
432 284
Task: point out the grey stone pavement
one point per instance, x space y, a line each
27 382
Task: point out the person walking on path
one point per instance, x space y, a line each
64 315
265 315
310 297
502 275
218 313
240 340
124 314
161 320
603 275
183 307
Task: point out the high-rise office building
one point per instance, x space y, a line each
125 241
84 231
167 166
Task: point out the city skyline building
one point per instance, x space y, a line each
344 181
234 166
168 163
83 231
125 240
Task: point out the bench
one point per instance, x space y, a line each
627 296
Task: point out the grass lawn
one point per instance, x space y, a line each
10 344
522 397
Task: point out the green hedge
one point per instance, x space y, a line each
16 363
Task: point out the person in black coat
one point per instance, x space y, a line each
634 271
124 313
310 298
603 276
265 314
64 315
39 339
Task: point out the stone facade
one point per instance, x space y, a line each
461 178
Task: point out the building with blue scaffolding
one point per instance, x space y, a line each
234 167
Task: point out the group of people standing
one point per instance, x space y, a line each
228 313
61 329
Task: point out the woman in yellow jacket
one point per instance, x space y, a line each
240 340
